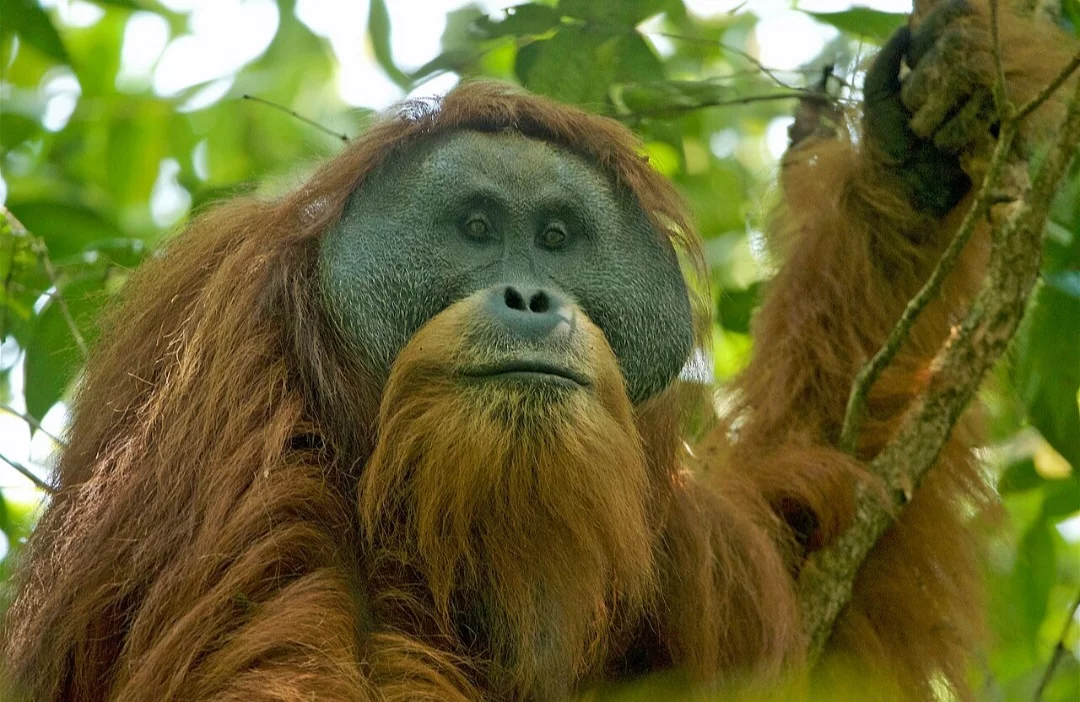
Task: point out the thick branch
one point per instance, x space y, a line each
975 345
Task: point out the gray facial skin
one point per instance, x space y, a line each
466 211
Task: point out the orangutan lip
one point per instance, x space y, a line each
525 369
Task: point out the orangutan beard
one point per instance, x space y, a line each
522 507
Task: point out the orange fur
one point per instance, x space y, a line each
225 521
244 513
853 253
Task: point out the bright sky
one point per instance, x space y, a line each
213 50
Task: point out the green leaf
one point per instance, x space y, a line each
454 60
735 307
564 67
520 21
66 227
1062 498
1048 370
674 97
53 357
28 20
580 64
625 12
1019 477
1034 575
379 32
1070 9
872 25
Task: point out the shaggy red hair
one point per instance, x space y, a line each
246 513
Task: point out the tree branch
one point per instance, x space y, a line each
1059 651
293 113
868 374
1033 104
28 474
33 423
1016 247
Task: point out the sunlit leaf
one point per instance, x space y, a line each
873 25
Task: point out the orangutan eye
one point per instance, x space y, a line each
554 237
476 227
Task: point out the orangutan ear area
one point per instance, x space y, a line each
417 430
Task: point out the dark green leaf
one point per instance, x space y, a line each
379 31
1048 370
53 356
66 227
1062 498
735 307
1070 9
872 25
28 20
16 128
1034 575
125 4
520 21
455 60
625 12
1019 477
565 67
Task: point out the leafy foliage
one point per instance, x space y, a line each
98 165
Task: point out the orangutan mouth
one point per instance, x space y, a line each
531 371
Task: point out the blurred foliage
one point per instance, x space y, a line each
98 167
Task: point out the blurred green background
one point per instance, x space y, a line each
119 118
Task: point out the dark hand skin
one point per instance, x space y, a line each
920 125
527 220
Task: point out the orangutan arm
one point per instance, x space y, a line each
862 227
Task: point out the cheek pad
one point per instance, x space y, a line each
380 289
641 304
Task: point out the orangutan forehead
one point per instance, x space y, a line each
468 159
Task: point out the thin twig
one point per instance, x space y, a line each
1004 106
297 115
28 474
727 47
1060 649
1033 104
33 423
869 373
986 197
746 100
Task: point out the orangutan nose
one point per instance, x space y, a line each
530 313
